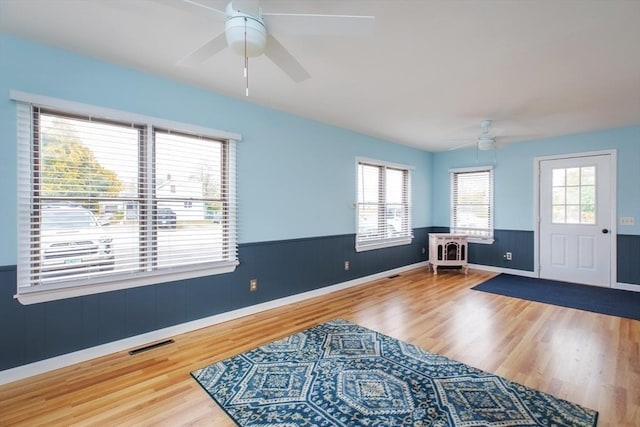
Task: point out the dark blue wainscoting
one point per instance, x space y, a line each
29 333
519 243
628 253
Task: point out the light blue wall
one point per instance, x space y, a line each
296 177
514 179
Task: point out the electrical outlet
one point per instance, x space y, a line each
253 285
508 256
424 251
346 265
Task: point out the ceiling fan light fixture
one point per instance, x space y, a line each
485 143
256 35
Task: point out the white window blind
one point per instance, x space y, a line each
472 203
106 202
384 205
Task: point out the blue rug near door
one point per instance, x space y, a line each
342 374
614 302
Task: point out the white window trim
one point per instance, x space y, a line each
115 282
475 239
391 242
118 115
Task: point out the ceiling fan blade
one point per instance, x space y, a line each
216 6
205 51
284 60
190 6
468 144
320 25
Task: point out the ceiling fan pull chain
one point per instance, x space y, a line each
246 61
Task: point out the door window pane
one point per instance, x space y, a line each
558 216
558 196
558 176
573 195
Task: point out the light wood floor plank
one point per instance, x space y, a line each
587 358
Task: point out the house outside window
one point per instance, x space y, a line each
472 203
384 205
109 204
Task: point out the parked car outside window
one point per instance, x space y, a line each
73 241
167 218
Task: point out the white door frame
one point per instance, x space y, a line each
613 207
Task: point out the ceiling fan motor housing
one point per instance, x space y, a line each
256 34
486 143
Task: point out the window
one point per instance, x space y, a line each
384 205
472 203
574 195
109 204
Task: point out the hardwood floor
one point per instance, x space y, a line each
587 358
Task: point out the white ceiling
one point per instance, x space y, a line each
431 73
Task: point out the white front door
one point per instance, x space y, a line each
576 237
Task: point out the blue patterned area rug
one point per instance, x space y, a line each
341 374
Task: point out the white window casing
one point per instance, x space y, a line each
383 209
472 203
109 200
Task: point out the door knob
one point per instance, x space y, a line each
605 230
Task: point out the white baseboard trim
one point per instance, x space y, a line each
57 362
626 287
524 273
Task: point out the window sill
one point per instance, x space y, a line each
380 244
37 294
480 241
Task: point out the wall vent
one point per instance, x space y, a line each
151 347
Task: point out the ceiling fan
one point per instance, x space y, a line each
248 32
485 141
